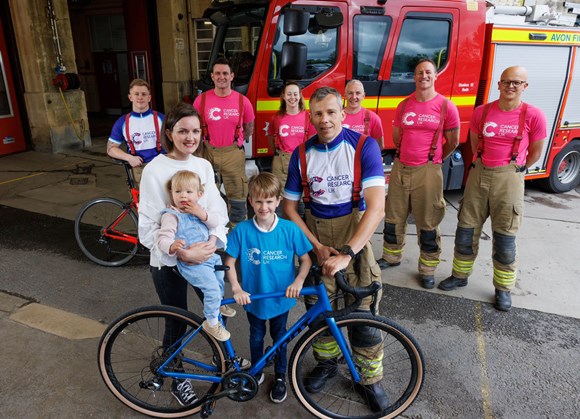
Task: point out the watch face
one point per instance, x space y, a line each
347 250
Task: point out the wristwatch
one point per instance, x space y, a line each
347 250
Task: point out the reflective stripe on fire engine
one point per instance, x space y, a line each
384 103
393 102
525 36
268 105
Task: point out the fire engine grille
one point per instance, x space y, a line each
480 92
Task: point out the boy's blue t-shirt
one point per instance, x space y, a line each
267 262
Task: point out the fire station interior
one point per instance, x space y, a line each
110 53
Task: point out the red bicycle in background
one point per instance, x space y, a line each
106 228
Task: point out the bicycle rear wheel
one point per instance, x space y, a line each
135 345
98 224
402 368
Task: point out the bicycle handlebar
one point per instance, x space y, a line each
357 292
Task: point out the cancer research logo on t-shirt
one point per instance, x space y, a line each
315 189
256 256
357 127
286 130
283 131
427 118
136 138
406 117
487 125
333 183
253 256
212 114
491 129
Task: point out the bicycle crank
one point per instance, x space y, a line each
240 385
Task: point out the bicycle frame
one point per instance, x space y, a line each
110 231
321 306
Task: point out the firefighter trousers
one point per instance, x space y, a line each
416 190
230 163
498 193
366 342
280 164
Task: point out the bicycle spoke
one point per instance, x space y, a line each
102 229
134 348
386 355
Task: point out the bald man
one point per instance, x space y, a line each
357 118
506 137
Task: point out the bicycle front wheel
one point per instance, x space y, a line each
134 347
384 351
106 231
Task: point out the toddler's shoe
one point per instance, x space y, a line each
227 311
219 332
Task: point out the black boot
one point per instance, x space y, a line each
320 374
383 264
503 300
451 283
374 395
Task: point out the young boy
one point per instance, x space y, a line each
139 130
185 223
266 246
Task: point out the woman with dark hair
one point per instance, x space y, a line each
290 126
180 137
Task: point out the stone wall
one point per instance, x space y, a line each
57 121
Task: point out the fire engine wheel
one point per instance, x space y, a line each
565 173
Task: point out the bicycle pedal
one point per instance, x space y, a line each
207 410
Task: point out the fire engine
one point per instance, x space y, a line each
329 42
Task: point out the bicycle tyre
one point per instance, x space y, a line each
402 363
93 218
131 349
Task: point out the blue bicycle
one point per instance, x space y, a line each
145 352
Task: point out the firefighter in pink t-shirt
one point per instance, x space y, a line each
507 136
290 127
425 132
227 121
359 119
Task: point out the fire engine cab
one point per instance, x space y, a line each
327 43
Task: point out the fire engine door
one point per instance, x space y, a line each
11 131
417 34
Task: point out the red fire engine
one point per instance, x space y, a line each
327 43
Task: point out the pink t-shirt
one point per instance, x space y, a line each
222 114
291 130
500 130
356 122
418 126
